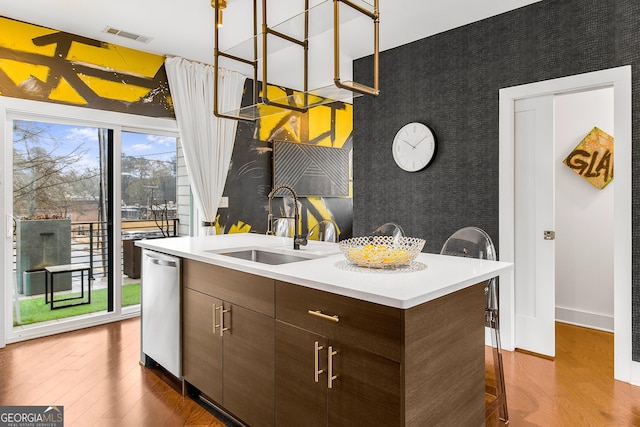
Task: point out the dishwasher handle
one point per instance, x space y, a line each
163 262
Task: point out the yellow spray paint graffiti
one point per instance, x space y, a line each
250 175
327 125
48 65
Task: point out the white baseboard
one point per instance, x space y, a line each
635 373
572 316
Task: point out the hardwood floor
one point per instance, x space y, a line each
575 389
94 373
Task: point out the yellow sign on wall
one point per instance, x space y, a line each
593 158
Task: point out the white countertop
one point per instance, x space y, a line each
399 289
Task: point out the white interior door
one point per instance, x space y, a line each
625 369
534 281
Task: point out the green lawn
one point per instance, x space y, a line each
35 310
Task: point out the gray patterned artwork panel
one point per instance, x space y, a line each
310 169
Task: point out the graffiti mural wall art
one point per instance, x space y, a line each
250 176
42 64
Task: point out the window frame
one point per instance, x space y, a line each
19 109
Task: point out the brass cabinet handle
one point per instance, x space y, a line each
330 376
316 371
222 321
221 324
321 315
213 318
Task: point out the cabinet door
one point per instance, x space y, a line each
249 366
300 400
366 391
374 327
201 345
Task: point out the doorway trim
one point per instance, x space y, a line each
620 79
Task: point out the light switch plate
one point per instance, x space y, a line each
224 202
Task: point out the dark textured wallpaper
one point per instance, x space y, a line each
451 82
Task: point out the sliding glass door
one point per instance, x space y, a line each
149 200
63 221
79 187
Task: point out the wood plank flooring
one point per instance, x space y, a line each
94 373
576 389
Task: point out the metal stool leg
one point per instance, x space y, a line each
501 396
493 323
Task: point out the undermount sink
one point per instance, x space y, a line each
266 257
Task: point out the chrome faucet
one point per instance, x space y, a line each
298 238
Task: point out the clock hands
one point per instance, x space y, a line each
421 139
408 143
416 144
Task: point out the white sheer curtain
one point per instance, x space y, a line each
207 141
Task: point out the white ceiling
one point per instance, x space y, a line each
185 27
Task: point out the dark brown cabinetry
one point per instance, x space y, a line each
301 396
228 347
328 361
249 367
202 347
392 367
364 388
276 353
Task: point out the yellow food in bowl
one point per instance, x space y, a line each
379 255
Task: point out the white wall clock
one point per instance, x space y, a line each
414 147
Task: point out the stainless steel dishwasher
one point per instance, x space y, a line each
161 311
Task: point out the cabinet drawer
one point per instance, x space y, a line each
362 324
247 290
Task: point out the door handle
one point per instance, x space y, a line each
549 235
163 262
330 377
316 370
321 315
221 324
215 325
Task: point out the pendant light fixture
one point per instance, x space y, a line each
324 12
219 6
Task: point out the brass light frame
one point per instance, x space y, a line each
219 6
217 53
302 43
375 15
266 31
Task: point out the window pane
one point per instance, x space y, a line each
148 206
61 211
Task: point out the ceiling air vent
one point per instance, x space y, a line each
127 35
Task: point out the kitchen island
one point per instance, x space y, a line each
317 342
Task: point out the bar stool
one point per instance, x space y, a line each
283 227
389 229
325 231
474 242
